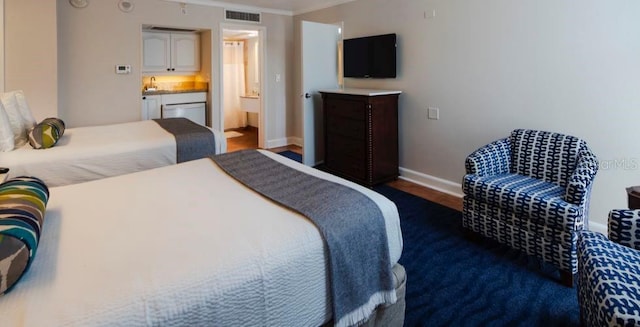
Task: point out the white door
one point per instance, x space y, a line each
319 51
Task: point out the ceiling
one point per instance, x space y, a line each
285 7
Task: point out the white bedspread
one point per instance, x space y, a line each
90 153
182 245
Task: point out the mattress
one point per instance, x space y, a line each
179 245
89 153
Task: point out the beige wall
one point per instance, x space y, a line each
495 65
30 53
94 39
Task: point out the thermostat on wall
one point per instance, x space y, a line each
123 69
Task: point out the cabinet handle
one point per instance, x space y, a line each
168 69
173 69
144 98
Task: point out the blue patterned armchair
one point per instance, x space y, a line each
531 192
609 272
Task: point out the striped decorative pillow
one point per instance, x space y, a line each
22 205
47 133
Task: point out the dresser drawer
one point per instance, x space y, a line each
346 109
346 127
347 165
343 146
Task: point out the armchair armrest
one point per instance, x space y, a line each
580 181
624 227
491 159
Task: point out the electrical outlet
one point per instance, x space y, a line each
434 113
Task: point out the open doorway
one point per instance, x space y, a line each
242 86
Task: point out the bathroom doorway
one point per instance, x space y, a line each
242 105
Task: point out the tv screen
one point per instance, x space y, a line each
370 56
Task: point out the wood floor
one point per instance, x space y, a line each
249 140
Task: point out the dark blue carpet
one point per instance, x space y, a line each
453 281
291 155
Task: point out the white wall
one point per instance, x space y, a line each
495 65
91 41
30 53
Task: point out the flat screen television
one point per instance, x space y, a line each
370 56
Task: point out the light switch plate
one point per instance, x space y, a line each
434 113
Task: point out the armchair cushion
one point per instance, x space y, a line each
548 156
624 227
608 281
526 197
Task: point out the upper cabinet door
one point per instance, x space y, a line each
156 52
170 52
185 54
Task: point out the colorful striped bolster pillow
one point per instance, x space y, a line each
22 205
46 134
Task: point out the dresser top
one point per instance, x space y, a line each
367 92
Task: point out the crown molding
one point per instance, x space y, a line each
235 6
323 5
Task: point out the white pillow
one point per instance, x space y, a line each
6 134
12 109
25 111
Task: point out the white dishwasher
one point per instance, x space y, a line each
194 111
188 105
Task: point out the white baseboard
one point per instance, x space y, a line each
432 182
270 144
276 143
598 227
295 141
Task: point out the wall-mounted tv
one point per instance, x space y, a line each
370 56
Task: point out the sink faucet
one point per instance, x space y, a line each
153 80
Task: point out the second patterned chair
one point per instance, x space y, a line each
531 192
609 272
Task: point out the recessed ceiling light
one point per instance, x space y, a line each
79 3
125 6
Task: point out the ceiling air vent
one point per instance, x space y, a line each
242 15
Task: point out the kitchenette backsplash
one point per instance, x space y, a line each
173 83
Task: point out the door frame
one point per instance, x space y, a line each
263 122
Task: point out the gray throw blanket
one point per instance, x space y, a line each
351 224
193 141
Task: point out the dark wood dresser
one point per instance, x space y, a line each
361 134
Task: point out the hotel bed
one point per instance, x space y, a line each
88 153
182 245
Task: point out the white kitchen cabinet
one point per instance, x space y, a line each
170 52
151 107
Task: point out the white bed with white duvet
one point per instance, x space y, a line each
88 153
182 245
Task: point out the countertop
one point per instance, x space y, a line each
160 92
367 92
